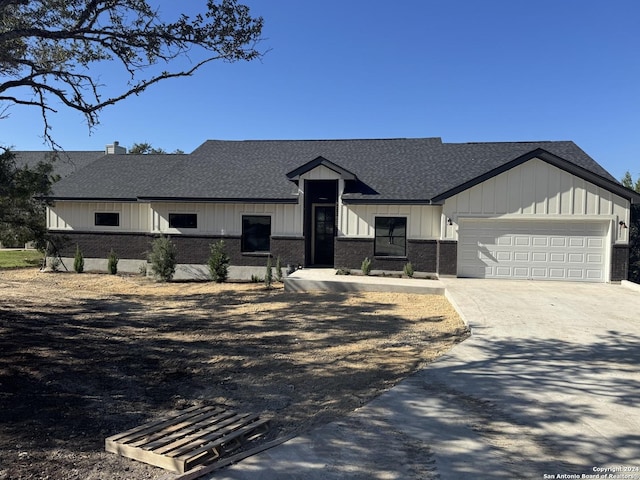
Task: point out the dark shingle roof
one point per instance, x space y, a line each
64 163
399 170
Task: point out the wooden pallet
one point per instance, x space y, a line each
197 436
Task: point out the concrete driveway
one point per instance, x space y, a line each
548 384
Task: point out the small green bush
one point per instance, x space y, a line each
256 279
78 261
112 262
218 262
366 266
408 270
343 271
268 276
163 258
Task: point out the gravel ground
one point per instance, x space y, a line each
86 356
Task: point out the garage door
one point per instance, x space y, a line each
538 250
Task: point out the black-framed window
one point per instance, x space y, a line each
183 220
390 236
107 219
256 233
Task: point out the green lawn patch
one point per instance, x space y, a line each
20 258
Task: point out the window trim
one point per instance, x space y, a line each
95 219
375 237
172 216
243 236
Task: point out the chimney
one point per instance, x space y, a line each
115 149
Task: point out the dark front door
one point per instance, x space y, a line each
324 224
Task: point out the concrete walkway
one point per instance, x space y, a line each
548 384
326 280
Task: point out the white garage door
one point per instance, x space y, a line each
538 250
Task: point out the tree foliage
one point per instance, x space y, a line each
22 203
146 148
634 230
163 258
218 262
628 182
49 47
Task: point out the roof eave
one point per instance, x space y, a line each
551 159
293 200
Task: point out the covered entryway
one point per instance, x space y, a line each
533 249
321 197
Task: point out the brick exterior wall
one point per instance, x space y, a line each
447 257
349 252
424 255
619 263
190 249
132 246
289 249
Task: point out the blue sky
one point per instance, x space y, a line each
462 70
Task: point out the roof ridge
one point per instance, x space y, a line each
325 139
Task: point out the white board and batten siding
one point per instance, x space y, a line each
226 218
80 216
213 218
536 221
423 221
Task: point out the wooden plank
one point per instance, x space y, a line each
236 438
195 436
168 429
154 425
205 434
168 436
230 426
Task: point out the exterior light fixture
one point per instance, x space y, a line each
449 222
622 224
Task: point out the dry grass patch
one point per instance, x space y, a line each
86 356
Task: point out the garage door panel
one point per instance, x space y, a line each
540 257
558 257
540 241
576 258
532 249
595 258
557 273
594 243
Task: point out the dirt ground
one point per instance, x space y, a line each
86 356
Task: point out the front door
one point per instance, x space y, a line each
324 224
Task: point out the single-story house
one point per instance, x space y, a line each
517 210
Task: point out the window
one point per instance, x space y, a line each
391 236
183 220
256 233
107 219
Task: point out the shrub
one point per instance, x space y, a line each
112 262
163 258
218 262
268 276
408 270
78 261
343 271
366 266
278 269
